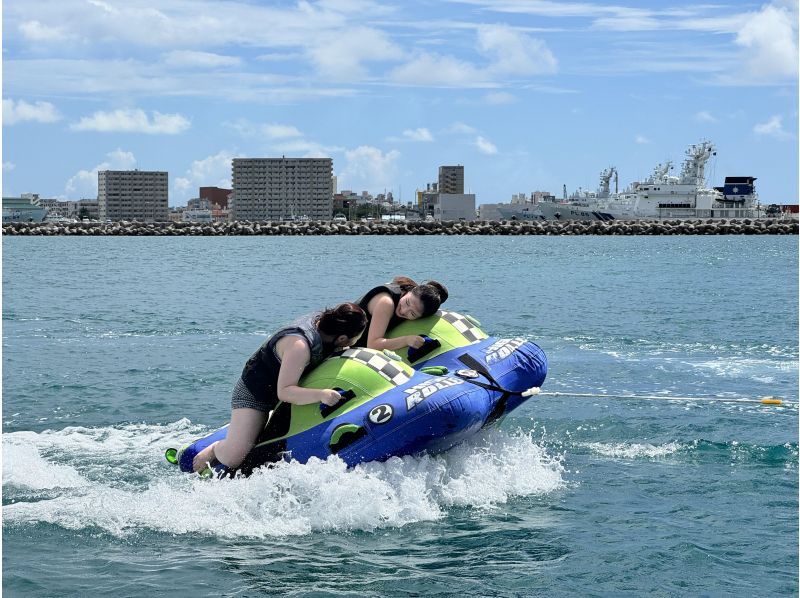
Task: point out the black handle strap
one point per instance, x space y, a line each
326 410
430 345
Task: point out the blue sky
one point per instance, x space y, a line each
526 94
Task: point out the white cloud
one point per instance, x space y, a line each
772 128
38 32
100 4
510 53
368 167
515 53
770 40
427 68
9 166
132 121
641 140
628 22
460 128
499 97
126 78
22 111
304 148
277 131
485 146
279 56
340 56
84 183
704 116
420 134
213 171
188 58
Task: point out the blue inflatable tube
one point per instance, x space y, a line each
399 407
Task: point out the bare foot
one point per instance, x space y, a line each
204 458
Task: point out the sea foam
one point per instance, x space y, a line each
116 480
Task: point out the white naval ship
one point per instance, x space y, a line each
660 196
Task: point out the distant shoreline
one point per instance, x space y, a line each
568 227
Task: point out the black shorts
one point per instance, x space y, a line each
242 398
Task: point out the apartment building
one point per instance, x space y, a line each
282 189
133 195
451 180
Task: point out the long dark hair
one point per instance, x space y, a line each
347 319
430 293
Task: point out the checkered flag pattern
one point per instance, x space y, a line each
467 329
388 368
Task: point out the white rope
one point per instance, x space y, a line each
767 400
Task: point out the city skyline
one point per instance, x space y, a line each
526 95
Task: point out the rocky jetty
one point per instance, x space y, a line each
568 227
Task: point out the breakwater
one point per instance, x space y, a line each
567 227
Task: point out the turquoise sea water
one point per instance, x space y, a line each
116 348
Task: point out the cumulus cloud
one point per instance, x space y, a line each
485 146
641 140
460 128
84 183
213 171
428 68
515 53
341 56
508 52
21 111
705 116
278 131
770 40
420 134
188 58
132 121
368 167
772 128
38 32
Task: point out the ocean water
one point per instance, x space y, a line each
116 348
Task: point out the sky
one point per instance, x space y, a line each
529 95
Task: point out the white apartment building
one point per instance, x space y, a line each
282 189
133 195
454 206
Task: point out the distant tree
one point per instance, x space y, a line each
83 213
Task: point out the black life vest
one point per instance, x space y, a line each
395 293
260 373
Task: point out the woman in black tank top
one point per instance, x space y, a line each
389 304
272 374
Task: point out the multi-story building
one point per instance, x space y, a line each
214 196
451 180
133 195
454 207
282 189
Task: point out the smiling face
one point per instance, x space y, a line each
409 307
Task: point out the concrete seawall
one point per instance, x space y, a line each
618 227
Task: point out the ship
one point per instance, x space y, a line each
23 209
660 196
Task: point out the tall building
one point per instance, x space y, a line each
282 188
133 195
451 180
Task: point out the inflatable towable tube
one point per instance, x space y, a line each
395 404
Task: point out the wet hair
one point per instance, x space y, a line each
347 319
430 293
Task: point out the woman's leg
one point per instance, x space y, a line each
246 424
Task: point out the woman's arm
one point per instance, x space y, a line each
381 308
295 355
